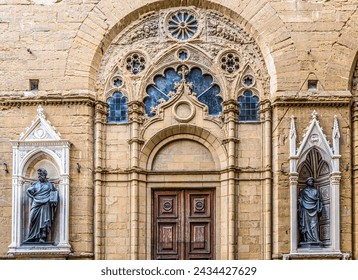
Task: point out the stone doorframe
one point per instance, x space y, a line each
315 138
218 180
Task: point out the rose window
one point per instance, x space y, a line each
135 63
230 62
182 25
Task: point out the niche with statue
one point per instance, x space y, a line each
314 192
40 218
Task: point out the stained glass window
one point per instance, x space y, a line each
118 108
206 91
158 92
202 84
135 63
248 107
230 63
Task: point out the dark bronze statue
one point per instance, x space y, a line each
309 206
43 208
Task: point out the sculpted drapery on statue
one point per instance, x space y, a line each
309 206
43 208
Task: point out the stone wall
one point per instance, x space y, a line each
64 43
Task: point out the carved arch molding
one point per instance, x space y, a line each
197 37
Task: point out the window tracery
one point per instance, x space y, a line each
135 63
220 44
230 63
182 24
117 82
248 80
248 107
117 108
202 84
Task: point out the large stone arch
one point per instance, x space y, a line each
104 22
343 58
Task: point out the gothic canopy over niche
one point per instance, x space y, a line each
317 159
40 146
157 44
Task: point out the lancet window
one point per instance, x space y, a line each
248 107
117 108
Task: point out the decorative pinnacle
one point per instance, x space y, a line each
293 127
314 114
40 111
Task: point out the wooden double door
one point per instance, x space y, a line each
183 224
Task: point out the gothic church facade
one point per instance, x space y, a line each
179 129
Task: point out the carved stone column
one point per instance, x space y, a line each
135 117
99 138
293 221
230 114
335 235
355 165
266 118
293 186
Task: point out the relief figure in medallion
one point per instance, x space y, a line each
309 206
45 198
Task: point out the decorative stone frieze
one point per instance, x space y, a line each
208 31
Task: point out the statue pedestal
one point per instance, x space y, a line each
35 250
310 245
316 254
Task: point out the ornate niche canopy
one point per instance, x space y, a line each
316 158
40 146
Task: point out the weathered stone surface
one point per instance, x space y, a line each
76 48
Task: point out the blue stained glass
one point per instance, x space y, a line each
200 82
207 92
248 107
183 55
160 89
212 100
117 82
117 108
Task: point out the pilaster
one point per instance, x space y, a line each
135 117
99 142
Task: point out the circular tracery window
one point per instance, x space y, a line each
135 63
230 62
182 25
248 80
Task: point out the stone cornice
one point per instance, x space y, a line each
17 101
306 98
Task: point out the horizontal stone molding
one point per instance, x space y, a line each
47 100
306 98
317 256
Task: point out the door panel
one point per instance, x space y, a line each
183 224
167 231
199 224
